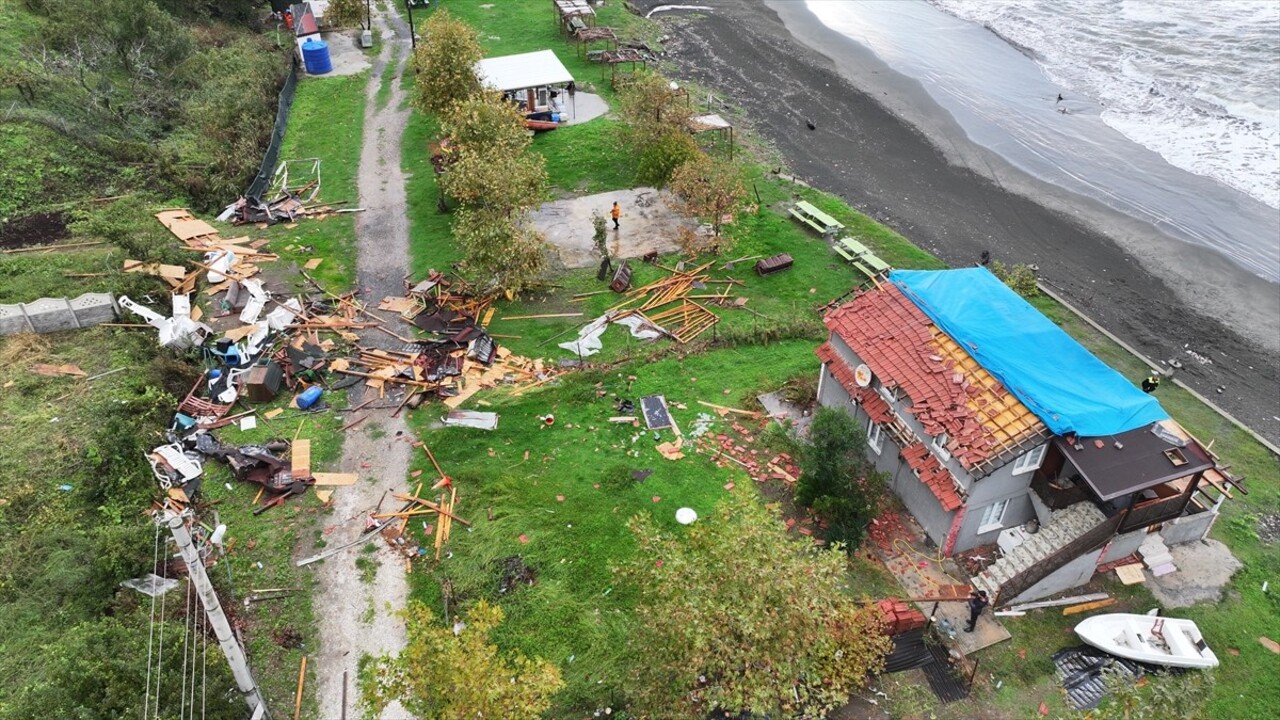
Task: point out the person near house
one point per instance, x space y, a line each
977 603
1150 384
616 213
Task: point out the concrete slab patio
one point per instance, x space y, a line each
648 224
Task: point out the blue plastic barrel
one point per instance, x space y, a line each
309 397
315 57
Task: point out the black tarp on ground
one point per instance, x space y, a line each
1080 669
909 651
947 684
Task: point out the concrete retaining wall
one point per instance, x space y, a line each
54 314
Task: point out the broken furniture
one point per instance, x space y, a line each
823 223
621 278
771 265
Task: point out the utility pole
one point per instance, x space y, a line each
218 619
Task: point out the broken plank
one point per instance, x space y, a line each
540 317
301 458
1086 607
335 479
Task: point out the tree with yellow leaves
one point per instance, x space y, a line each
455 673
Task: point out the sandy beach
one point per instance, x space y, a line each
882 145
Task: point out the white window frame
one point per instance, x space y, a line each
987 525
875 436
939 446
1030 461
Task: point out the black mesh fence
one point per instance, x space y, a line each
263 179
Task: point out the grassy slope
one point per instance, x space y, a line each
547 616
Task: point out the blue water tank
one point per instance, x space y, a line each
315 57
309 397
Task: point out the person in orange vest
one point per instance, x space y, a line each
616 213
288 19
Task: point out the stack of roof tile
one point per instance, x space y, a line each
899 617
932 473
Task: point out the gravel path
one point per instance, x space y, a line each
355 617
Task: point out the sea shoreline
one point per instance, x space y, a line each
883 146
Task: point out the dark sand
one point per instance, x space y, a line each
893 171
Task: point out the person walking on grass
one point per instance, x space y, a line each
977 603
616 213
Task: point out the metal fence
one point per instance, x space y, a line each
269 160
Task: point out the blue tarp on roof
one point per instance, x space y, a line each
1060 381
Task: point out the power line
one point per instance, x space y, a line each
151 631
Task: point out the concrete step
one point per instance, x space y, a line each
1155 560
1164 569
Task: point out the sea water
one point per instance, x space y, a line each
1170 109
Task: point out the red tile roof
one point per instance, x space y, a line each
869 399
948 391
932 473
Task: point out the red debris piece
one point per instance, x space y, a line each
523 538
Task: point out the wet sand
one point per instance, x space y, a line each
883 146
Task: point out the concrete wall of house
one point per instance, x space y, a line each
1000 485
1188 528
1122 545
916 496
1073 574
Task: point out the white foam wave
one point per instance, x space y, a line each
1193 81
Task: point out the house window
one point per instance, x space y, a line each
1030 462
940 447
875 436
993 516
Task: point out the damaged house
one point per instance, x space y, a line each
996 427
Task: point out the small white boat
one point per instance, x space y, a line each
1150 639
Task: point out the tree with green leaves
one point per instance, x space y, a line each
445 61
736 615
655 129
496 180
457 673
345 13
837 481
708 188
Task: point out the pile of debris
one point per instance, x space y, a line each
456 359
287 200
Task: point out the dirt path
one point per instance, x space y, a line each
355 616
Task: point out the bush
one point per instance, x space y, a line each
838 482
1021 278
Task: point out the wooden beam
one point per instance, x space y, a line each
1086 607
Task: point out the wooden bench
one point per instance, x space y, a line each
575 24
815 218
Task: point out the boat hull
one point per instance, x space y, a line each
1177 643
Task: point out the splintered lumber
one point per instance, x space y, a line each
713 406
301 458
302 676
1060 601
402 381
1086 607
541 317
434 506
322 478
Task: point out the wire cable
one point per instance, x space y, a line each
151 631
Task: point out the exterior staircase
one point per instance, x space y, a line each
1064 526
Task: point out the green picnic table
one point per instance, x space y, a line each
861 257
806 213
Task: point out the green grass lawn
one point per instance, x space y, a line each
573 611
326 122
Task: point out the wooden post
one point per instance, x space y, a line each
974 673
297 701
344 695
